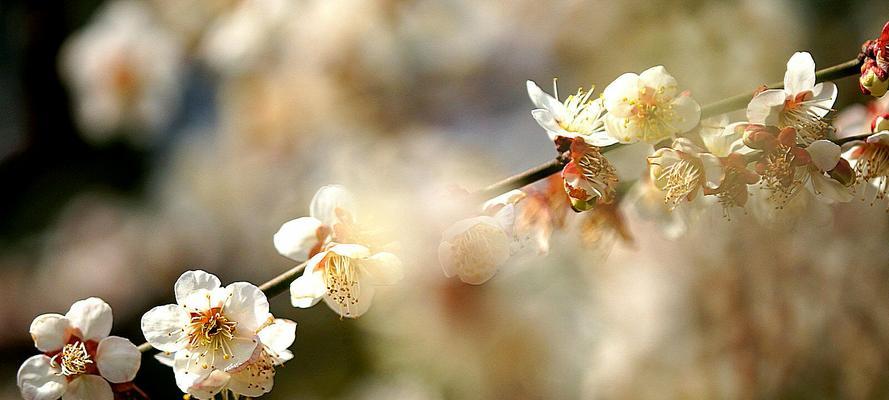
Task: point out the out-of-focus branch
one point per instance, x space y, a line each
271 288
843 70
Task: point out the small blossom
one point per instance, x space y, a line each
870 158
79 358
801 104
579 116
588 177
682 170
475 248
874 78
648 107
726 142
209 328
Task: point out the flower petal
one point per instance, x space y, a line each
210 386
92 317
825 154
278 336
190 281
350 250
308 289
88 387
712 170
511 197
383 269
829 189
38 380
800 75
188 371
765 107
247 305
546 121
297 237
118 359
242 348
545 101
365 295
50 332
721 142
327 200
616 94
164 327
659 79
824 95
686 114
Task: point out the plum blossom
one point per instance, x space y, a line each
682 170
588 177
870 157
125 71
255 377
578 116
475 248
210 327
648 107
801 104
79 358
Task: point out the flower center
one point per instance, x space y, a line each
873 165
800 115
679 180
212 329
652 115
599 173
584 115
780 178
73 360
341 279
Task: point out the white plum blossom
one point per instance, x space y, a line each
209 328
683 170
255 377
79 358
301 238
345 276
870 157
579 116
475 248
801 104
648 107
124 70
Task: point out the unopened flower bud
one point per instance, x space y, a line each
760 137
874 80
880 123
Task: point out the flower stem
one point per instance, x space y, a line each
534 174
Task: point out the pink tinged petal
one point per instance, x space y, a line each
658 78
307 290
766 106
825 154
50 332
511 197
712 170
246 305
38 380
297 237
830 190
383 269
210 386
278 336
92 317
88 387
191 281
164 327
824 96
118 359
800 75
543 100
686 114
327 200
188 370
365 295
618 92
251 385
881 138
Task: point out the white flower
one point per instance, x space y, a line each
302 238
209 328
822 172
578 116
682 170
870 160
79 358
800 104
475 248
255 377
125 72
648 107
345 276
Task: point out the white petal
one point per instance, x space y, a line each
327 200
250 384
618 92
364 299
297 237
278 336
511 197
599 139
880 137
479 260
658 78
203 299
118 359
164 358
242 348
546 121
350 250
247 305
190 281
543 100
825 154
383 269
723 142
50 332
712 170
829 189
307 290
164 327
620 129
88 387
686 114
465 224
766 106
800 75
210 386
188 370
38 380
824 96
92 317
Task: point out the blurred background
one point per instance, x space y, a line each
142 138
